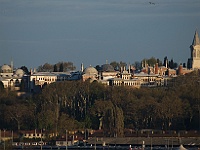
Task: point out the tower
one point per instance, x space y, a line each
82 67
195 52
11 65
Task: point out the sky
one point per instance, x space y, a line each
93 32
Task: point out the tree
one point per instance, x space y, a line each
98 68
46 120
68 66
61 67
171 64
1 86
151 61
119 122
87 122
122 64
45 68
113 121
55 68
170 110
111 118
115 65
165 63
99 110
137 65
19 113
159 62
147 112
65 122
25 69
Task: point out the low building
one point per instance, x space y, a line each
34 134
37 80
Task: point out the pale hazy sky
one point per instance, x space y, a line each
33 32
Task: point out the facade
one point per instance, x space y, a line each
39 79
11 78
107 72
130 79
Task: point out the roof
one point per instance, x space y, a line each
120 79
43 74
5 67
19 72
90 70
107 68
142 74
51 74
196 39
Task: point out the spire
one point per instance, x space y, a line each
196 39
82 67
11 64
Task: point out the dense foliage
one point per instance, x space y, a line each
79 105
58 67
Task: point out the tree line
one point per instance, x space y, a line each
69 66
79 105
58 67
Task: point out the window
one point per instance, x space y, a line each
194 53
198 53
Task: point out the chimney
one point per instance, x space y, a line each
156 68
180 70
31 71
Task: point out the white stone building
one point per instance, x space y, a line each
11 78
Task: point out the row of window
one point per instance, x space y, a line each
10 75
196 53
118 83
7 75
47 79
125 77
33 135
6 71
52 79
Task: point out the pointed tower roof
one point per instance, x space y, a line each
196 39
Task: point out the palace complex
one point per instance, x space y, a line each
148 76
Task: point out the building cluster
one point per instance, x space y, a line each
11 78
148 76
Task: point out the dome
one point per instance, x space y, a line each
6 68
90 70
19 72
107 68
